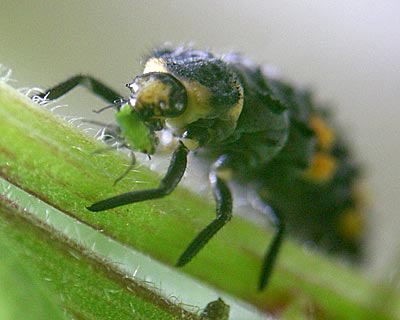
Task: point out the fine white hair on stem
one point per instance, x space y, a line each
5 74
36 95
39 96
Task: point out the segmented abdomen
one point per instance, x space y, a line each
316 191
289 147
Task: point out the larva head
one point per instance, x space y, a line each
156 96
136 133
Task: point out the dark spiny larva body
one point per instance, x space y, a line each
274 144
311 181
255 128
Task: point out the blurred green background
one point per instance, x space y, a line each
347 51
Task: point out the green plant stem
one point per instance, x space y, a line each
89 290
54 162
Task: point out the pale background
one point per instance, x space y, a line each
348 51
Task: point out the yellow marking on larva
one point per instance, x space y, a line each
155 65
152 93
351 224
225 174
322 168
325 134
198 97
198 106
191 144
227 122
234 113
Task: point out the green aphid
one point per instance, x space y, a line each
137 135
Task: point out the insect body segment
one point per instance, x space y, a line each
252 127
214 94
215 310
157 95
